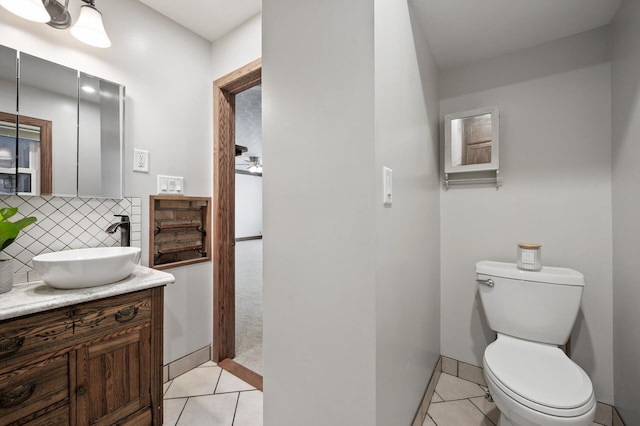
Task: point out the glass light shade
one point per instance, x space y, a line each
89 28
33 10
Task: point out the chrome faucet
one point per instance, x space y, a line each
125 229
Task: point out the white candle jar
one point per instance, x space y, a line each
529 257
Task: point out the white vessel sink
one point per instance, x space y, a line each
87 267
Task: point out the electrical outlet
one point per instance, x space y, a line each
140 161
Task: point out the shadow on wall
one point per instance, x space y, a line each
488 335
433 108
589 48
587 357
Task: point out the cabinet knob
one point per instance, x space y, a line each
82 390
126 314
17 395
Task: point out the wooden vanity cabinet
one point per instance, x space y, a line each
95 363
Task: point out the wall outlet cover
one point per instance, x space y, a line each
140 161
173 185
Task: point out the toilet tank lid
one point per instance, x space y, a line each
548 274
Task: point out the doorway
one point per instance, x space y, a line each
225 90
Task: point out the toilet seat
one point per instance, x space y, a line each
539 376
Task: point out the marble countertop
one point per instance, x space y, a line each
34 297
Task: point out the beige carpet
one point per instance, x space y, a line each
249 305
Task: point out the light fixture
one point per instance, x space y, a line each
89 28
255 166
32 10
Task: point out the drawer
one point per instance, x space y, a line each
31 334
32 388
56 417
111 314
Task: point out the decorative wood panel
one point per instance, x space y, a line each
179 233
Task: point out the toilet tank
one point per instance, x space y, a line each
540 306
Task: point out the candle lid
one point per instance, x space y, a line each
529 246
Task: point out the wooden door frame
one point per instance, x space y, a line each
224 94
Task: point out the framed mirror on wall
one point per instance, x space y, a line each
472 140
61 130
472 146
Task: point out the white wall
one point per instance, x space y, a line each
237 48
166 70
248 205
319 216
626 209
407 262
555 149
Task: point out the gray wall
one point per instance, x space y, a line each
351 287
319 216
626 209
169 98
407 248
555 149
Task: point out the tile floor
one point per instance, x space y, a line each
211 396
459 402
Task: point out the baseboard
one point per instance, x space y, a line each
421 414
188 362
242 372
256 237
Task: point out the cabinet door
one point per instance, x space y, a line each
113 377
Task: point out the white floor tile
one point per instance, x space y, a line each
172 410
210 410
208 364
487 407
249 411
451 388
165 386
428 422
199 381
458 413
230 383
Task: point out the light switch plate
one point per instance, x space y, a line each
140 161
387 176
170 185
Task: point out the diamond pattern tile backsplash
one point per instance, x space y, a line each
66 223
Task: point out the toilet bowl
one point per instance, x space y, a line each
535 384
532 381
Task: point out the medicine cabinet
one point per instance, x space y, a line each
61 130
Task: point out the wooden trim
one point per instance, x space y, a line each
157 348
46 128
224 91
242 372
241 79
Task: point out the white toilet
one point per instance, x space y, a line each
530 378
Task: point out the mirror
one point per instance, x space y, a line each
48 96
472 140
99 137
67 137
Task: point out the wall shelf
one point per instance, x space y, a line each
178 234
